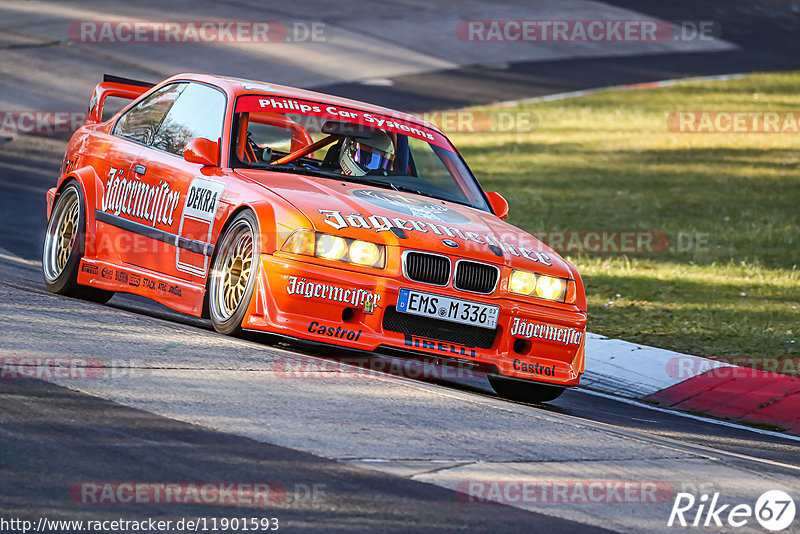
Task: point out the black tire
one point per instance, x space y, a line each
524 391
61 261
232 279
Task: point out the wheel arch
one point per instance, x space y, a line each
275 221
90 184
66 281
276 218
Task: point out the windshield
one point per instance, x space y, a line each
327 141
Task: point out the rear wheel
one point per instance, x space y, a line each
523 391
233 274
64 245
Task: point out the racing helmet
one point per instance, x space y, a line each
359 156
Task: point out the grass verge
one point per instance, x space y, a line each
728 285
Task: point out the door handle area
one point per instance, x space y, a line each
139 169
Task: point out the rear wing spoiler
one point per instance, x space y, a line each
113 86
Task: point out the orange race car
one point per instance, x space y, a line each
280 210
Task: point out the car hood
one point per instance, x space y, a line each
365 212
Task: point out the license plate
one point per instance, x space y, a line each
448 309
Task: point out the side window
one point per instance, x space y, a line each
141 122
198 112
274 137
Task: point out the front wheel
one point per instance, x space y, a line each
523 391
64 245
233 274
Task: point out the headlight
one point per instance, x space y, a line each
522 282
336 248
541 286
300 242
550 288
331 247
365 253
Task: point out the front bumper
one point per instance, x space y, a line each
324 304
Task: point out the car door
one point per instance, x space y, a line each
124 202
187 199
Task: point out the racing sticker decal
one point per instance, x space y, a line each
356 297
410 205
135 280
336 332
567 336
89 268
324 111
379 223
197 222
161 287
202 199
438 346
135 198
534 368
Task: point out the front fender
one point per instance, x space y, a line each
580 290
277 219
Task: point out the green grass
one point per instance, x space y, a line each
609 162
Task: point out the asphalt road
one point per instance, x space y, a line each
764 34
179 403
172 385
53 438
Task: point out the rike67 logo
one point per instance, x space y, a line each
774 510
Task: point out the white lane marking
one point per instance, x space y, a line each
720 422
627 87
406 460
643 436
702 451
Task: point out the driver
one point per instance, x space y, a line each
359 156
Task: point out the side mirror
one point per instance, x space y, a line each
498 203
202 151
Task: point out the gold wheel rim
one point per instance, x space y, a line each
236 272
